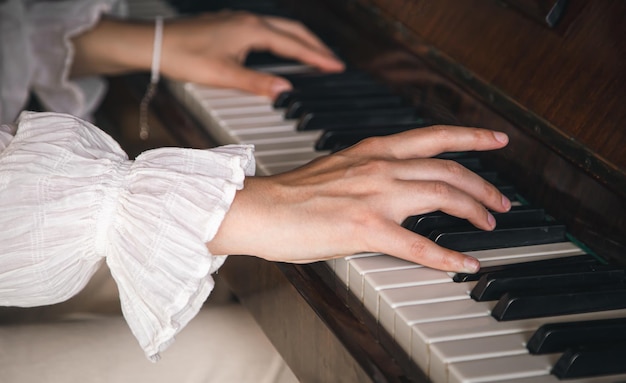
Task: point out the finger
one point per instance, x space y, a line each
399 242
427 196
434 140
455 175
289 46
234 75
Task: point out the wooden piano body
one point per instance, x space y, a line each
557 90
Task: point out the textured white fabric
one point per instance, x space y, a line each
36 55
69 198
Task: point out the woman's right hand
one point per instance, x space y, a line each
355 201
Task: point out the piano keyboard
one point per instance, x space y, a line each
449 335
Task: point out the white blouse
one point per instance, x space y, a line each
36 55
70 198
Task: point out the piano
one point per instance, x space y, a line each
550 73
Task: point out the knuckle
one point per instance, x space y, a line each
441 190
248 18
446 262
454 168
375 166
442 132
480 135
418 248
368 144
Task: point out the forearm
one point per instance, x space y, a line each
113 47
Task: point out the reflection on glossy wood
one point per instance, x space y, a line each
575 80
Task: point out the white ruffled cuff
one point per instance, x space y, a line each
172 203
69 197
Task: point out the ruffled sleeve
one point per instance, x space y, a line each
70 198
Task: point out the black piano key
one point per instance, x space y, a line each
299 107
518 215
335 140
285 98
542 264
260 60
594 361
525 305
558 337
492 286
476 239
359 119
320 79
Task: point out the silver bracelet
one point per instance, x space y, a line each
144 128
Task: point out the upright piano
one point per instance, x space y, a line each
549 73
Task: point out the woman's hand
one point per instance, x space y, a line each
210 49
207 49
355 200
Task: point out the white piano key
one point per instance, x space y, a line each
342 267
242 103
202 92
358 267
256 129
375 282
409 316
560 249
425 334
390 300
621 378
287 143
505 368
278 138
243 110
252 118
445 353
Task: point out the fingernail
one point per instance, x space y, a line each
471 264
491 220
506 203
280 85
501 137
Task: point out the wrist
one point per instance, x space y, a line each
114 47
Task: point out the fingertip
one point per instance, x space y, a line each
278 86
501 137
330 63
506 203
337 65
471 265
491 220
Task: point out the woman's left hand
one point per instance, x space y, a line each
211 48
207 49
